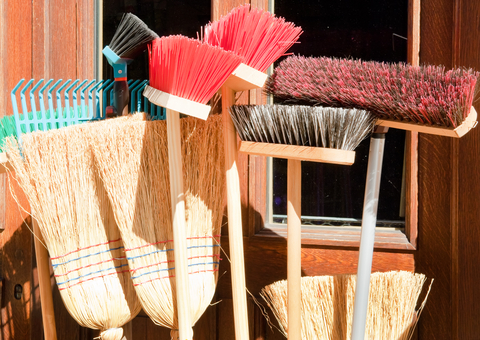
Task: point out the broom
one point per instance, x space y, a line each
76 221
135 150
327 305
130 39
423 99
184 75
260 38
318 134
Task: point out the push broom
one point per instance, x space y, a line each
184 76
56 171
300 133
424 99
260 38
130 39
327 305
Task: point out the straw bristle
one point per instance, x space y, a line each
257 35
132 158
188 68
327 305
131 37
76 220
302 125
427 95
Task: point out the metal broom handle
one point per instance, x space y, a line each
367 238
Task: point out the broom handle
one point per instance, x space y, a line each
234 210
367 237
294 249
179 225
44 284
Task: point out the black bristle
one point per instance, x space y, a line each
315 126
131 37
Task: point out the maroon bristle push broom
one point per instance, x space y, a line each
184 75
260 38
424 99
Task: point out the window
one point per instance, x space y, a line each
332 195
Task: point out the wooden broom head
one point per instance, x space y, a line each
427 96
76 220
132 158
257 35
189 69
327 305
319 134
131 37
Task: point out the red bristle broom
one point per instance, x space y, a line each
260 38
423 99
184 75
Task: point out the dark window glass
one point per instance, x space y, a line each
369 30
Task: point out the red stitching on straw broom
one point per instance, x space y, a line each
93 278
170 276
89 265
79 249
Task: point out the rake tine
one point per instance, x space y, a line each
24 103
36 121
51 108
76 112
42 102
105 85
82 100
90 99
133 96
60 117
15 107
68 114
97 99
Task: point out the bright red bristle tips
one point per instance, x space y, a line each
257 35
428 95
188 68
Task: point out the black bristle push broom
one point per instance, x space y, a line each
260 38
184 75
300 133
424 99
130 39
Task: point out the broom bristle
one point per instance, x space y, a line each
136 152
131 37
327 305
257 35
69 201
188 68
426 95
302 125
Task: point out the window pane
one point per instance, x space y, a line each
369 30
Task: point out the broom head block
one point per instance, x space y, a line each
469 123
175 103
246 78
301 153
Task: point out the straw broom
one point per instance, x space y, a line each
327 305
77 223
132 158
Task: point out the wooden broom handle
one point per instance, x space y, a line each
234 210
46 298
179 225
294 249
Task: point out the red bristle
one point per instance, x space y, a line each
427 95
188 68
257 35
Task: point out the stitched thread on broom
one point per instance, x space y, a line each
170 276
171 268
91 273
84 248
90 265
169 261
160 242
166 250
93 278
85 256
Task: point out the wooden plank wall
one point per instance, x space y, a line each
38 39
449 216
